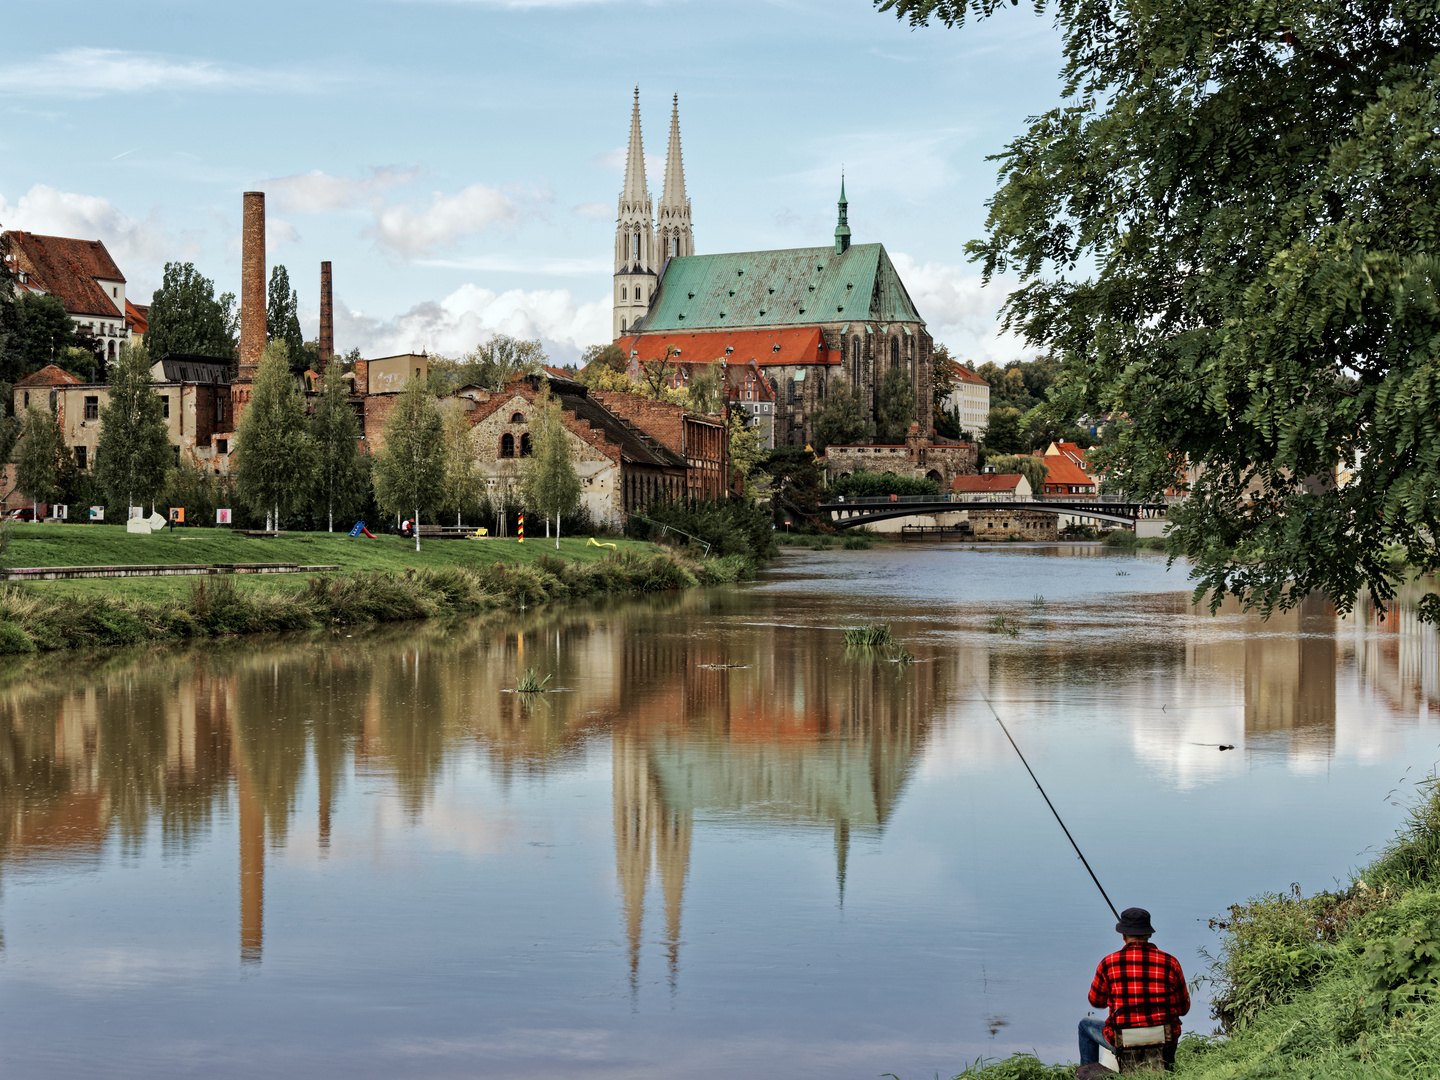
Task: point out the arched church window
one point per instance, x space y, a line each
624 295
622 322
894 352
507 445
635 247
517 418
855 358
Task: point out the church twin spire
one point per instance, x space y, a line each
641 248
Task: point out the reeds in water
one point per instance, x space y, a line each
874 636
530 683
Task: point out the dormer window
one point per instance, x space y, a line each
517 418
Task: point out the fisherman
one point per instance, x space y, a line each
1142 987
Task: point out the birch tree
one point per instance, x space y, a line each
410 469
43 463
462 469
339 476
551 485
274 455
134 449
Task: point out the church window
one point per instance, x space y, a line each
518 418
790 393
622 322
507 445
894 352
624 295
855 357
635 247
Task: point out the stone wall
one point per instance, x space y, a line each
918 458
1013 525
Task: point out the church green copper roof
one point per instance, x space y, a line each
779 288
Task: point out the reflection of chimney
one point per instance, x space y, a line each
327 317
252 284
252 871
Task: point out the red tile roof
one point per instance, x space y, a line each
964 374
137 317
1065 474
49 375
799 345
68 269
987 482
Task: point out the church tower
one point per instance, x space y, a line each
672 224
636 263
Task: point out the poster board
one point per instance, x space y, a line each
222 517
97 513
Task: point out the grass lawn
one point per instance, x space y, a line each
111 545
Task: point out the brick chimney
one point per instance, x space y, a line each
327 317
252 284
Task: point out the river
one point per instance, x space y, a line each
360 855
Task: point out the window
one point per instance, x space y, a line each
622 322
92 409
52 400
894 352
507 445
525 445
623 294
80 458
517 418
790 392
855 358
635 247
219 410
222 446
165 406
176 448
114 290
27 399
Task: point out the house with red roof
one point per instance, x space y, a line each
990 487
81 275
969 402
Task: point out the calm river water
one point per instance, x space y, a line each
361 856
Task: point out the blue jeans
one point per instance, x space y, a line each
1092 1037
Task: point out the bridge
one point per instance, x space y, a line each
846 511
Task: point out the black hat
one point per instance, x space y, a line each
1134 922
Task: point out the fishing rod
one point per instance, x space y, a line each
1048 803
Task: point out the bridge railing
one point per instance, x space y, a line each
859 501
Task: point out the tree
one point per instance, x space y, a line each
51 334
44 464
339 476
134 449
410 470
186 317
1032 468
945 382
282 318
499 361
745 450
894 407
840 421
1004 432
274 455
657 377
1254 192
704 390
551 485
14 341
609 356
462 470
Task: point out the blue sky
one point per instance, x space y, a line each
459 160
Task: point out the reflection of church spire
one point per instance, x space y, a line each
643 822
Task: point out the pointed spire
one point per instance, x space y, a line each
635 191
842 230
674 191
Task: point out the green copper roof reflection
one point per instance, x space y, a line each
780 288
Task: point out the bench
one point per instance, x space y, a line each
445 532
1137 1050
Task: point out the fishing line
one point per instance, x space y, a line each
986 699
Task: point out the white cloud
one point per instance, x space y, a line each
139 247
89 72
961 312
314 192
277 230
470 315
503 264
418 230
593 211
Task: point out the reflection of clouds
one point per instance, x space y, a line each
567 1044
108 970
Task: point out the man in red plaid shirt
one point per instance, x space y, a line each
1141 985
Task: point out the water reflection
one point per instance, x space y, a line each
703 719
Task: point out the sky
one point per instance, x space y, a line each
460 161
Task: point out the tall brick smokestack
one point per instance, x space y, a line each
327 317
252 284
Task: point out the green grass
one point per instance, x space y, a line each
874 636
382 583
111 545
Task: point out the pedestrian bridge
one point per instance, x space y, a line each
845 511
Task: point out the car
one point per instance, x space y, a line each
25 513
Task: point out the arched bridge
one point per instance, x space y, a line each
846 511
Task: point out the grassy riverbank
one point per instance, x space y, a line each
1337 986
381 580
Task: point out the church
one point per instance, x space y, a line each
803 318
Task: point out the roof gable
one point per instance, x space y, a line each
49 375
779 288
67 269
